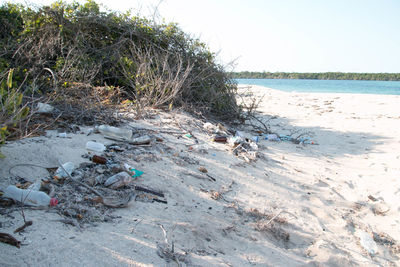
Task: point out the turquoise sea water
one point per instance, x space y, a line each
328 86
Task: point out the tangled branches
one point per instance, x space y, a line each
154 64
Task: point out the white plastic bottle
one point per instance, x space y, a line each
29 197
95 146
60 173
114 132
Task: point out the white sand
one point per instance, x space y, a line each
321 191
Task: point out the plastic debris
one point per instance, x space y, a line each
367 242
304 141
29 197
132 171
35 186
60 173
220 139
209 127
271 137
95 146
44 108
118 180
99 159
115 132
235 140
62 135
142 140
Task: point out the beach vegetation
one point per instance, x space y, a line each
56 47
317 76
12 108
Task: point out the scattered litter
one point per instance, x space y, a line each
95 146
271 137
35 186
60 173
118 180
99 159
285 138
62 135
220 139
142 140
115 132
29 197
44 108
209 127
132 171
233 141
367 242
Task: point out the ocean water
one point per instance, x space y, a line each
328 86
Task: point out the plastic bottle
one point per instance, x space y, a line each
367 242
118 180
60 173
115 132
29 197
35 186
95 146
145 139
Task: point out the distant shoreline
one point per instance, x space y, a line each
317 76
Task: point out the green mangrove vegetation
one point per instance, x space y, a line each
317 76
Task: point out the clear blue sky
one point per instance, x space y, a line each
287 35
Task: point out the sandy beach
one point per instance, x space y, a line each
293 205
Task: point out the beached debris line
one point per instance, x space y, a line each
82 194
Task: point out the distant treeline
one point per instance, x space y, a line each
317 76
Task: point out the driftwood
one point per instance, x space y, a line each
199 176
139 188
9 239
26 224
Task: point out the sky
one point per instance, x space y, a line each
285 35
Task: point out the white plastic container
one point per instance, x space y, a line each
115 132
60 173
95 146
145 139
118 180
367 242
29 197
36 185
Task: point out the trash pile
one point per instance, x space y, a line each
89 193
246 146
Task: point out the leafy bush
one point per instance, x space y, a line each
12 109
155 64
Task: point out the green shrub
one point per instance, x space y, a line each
12 109
156 64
